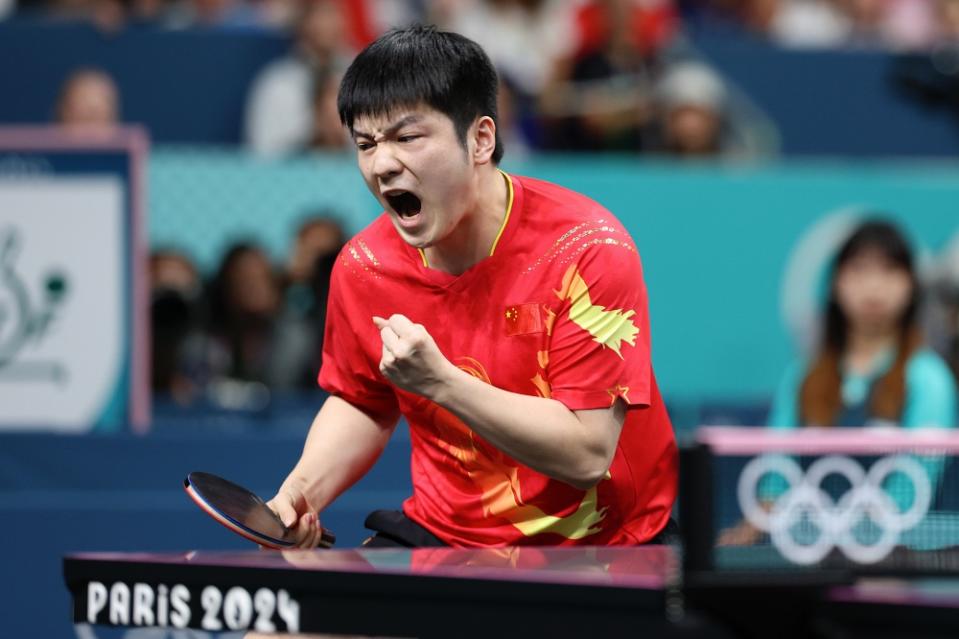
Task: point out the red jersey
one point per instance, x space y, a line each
558 310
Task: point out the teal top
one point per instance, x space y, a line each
930 402
930 392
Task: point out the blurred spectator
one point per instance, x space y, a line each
804 23
317 236
909 24
691 116
175 306
171 270
148 12
601 95
947 21
281 115
795 23
872 367
328 132
895 24
106 15
89 103
648 26
251 335
697 116
524 38
367 19
277 15
114 15
244 302
865 17
299 340
210 14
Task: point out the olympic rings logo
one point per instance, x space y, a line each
836 521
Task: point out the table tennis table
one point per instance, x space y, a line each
385 592
701 588
506 592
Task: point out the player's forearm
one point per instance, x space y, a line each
342 445
541 433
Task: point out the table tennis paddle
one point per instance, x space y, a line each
242 511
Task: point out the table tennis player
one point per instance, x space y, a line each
504 317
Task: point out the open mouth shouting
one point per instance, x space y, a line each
406 204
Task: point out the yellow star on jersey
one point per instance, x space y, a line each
618 391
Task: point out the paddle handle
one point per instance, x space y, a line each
327 538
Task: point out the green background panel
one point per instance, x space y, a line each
714 240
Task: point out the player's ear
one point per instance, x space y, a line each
483 134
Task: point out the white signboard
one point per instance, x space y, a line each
71 319
61 297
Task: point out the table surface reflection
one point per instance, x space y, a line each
649 567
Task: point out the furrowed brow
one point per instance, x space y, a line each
412 118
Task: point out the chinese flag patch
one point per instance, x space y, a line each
522 319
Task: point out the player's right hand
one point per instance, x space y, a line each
294 511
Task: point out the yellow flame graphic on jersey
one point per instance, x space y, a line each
609 328
500 489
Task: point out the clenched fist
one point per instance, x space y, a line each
411 359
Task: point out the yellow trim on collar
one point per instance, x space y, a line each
509 209
499 234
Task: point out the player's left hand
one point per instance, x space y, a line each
411 359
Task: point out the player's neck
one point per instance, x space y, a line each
473 238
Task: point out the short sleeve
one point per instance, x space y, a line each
930 393
599 341
348 370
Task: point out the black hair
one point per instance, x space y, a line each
422 65
885 238
820 399
223 313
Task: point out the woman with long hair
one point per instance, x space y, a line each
872 367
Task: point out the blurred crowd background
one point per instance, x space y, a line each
577 75
675 81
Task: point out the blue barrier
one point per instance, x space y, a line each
185 86
853 103
63 494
